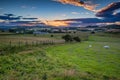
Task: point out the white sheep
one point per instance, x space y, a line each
90 46
106 47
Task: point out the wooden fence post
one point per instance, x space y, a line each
32 43
19 43
36 43
26 43
10 43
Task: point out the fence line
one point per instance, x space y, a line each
35 43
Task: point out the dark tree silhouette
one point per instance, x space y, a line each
77 39
67 38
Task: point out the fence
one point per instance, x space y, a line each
34 43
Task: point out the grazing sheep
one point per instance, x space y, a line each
90 46
106 47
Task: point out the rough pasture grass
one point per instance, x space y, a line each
100 63
16 41
108 34
104 39
73 61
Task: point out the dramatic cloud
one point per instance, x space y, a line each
9 17
108 15
108 12
118 23
12 20
86 5
57 23
91 21
85 20
9 14
30 18
24 23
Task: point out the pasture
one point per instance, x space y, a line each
68 61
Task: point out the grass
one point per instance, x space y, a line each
30 39
72 61
22 40
97 61
55 35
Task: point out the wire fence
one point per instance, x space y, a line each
34 43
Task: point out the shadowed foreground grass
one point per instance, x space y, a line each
75 61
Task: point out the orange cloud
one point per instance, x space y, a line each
86 5
27 25
57 23
118 23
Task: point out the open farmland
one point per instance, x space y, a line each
23 39
26 39
68 61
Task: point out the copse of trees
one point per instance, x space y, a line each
93 32
77 39
51 35
69 38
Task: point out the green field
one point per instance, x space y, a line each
68 61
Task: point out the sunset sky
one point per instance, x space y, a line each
66 12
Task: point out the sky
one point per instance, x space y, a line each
58 12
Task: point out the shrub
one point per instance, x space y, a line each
67 38
74 32
77 39
52 35
35 34
93 32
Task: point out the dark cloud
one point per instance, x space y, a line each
80 3
30 18
18 20
108 12
85 20
9 17
90 21
9 14
24 22
117 15
13 17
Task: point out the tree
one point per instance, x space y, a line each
77 39
67 38
93 32
52 35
